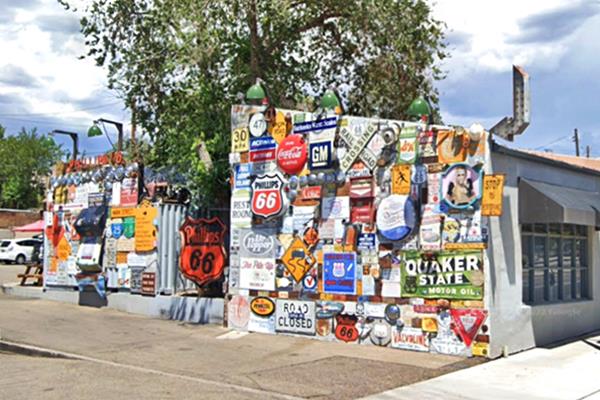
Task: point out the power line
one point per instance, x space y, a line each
553 142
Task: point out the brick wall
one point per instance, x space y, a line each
13 218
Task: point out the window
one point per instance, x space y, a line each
5 244
555 263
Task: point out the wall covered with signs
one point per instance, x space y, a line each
359 230
102 226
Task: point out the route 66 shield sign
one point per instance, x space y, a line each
202 256
267 196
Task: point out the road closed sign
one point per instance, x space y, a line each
294 316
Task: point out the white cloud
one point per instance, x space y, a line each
41 43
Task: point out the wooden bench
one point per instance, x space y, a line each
37 274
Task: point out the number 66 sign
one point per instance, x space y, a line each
202 256
267 196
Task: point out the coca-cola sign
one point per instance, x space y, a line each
258 243
292 154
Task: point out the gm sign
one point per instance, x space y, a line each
320 155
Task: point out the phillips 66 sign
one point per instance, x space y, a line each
202 255
267 196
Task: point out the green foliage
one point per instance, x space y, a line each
27 159
182 64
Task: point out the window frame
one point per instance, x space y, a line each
554 276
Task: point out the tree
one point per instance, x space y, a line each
27 159
180 64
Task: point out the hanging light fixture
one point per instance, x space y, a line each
257 94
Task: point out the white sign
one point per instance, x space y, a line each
257 273
258 243
335 207
295 316
357 147
261 324
409 338
241 215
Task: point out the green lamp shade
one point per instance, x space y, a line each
418 108
94 131
256 92
329 100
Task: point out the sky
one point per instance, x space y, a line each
45 84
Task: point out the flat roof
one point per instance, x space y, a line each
581 164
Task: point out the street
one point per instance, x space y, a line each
116 355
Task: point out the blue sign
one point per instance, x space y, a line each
242 176
339 273
318 125
116 229
366 241
262 143
319 155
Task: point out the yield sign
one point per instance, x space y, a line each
297 259
467 323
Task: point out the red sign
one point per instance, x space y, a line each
345 329
203 255
467 323
311 192
267 196
292 154
362 211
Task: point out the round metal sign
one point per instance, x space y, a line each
257 125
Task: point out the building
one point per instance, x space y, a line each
544 251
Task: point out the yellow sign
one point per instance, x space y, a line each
240 140
145 231
278 128
262 306
298 260
480 349
491 201
464 246
452 146
401 179
429 324
63 250
122 257
121 212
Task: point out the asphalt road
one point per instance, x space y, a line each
115 355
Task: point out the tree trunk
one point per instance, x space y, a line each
254 41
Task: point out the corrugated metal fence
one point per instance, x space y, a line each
171 216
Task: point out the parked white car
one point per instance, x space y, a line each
17 250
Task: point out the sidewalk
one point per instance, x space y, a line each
571 371
136 348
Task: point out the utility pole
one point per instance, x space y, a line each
576 140
587 151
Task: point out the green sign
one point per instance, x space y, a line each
128 227
449 275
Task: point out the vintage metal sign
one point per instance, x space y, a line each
319 129
461 186
262 149
339 273
202 256
407 145
467 323
401 179
257 124
267 196
345 329
257 273
241 214
297 259
396 217
262 306
294 316
409 338
241 176
357 147
320 155
240 140
335 207
491 202
291 154
259 243
451 275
